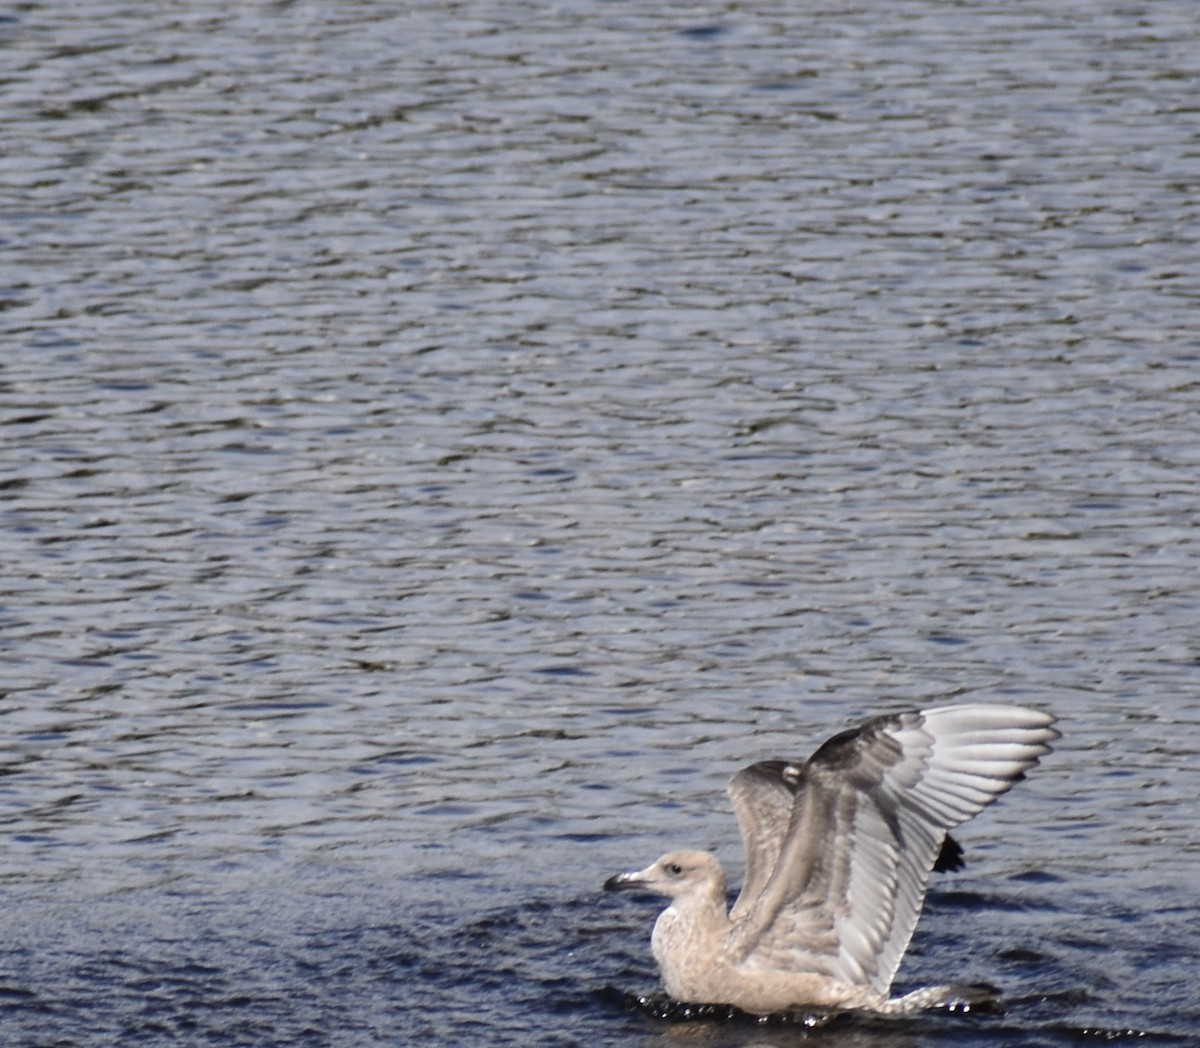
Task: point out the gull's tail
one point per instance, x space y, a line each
976 997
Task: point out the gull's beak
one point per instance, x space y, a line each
625 881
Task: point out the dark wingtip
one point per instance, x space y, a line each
950 858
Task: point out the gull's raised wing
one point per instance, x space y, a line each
763 796
867 817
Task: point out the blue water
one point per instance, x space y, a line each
444 442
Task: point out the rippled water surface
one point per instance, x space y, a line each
443 441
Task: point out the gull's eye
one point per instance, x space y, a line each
674 869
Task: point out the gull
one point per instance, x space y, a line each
839 849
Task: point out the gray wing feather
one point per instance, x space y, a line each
762 795
868 814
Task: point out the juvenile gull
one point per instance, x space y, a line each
839 849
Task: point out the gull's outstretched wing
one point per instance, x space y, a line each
763 796
838 890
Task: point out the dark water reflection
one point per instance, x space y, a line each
443 443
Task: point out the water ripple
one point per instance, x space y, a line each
442 449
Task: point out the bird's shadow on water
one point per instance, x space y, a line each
721 1026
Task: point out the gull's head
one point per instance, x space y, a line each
676 875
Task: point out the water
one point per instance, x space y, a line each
444 441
